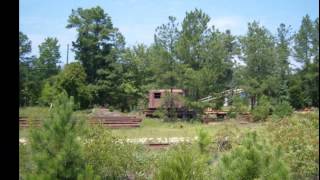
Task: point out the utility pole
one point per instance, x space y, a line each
67 53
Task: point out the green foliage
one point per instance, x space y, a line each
29 86
55 149
232 114
24 46
94 29
88 174
110 157
262 111
197 106
47 63
48 94
100 49
306 51
283 109
25 163
160 112
252 159
169 103
204 140
298 136
182 162
239 105
226 138
72 80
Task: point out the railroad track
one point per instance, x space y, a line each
25 122
105 121
116 121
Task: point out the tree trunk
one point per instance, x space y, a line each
253 102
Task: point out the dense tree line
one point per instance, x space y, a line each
192 56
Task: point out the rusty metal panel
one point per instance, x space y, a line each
156 103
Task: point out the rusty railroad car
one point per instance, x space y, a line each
155 98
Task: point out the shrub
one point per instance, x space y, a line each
88 173
55 150
160 113
232 114
182 162
262 111
283 109
198 107
252 159
110 157
25 164
204 140
226 138
299 138
48 94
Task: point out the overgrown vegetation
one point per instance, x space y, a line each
299 138
284 148
182 162
252 159
189 55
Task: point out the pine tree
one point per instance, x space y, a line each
252 159
56 151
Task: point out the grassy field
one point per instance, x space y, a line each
153 128
158 128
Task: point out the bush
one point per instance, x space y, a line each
226 138
88 173
48 94
110 157
198 107
204 140
262 111
182 162
283 109
232 114
252 159
169 103
25 164
160 113
299 138
55 150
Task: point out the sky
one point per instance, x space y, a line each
138 19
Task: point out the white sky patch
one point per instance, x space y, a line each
236 24
294 64
138 33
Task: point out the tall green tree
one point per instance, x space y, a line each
303 41
24 46
99 48
49 56
306 51
28 78
165 38
24 49
194 29
283 53
94 41
258 48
